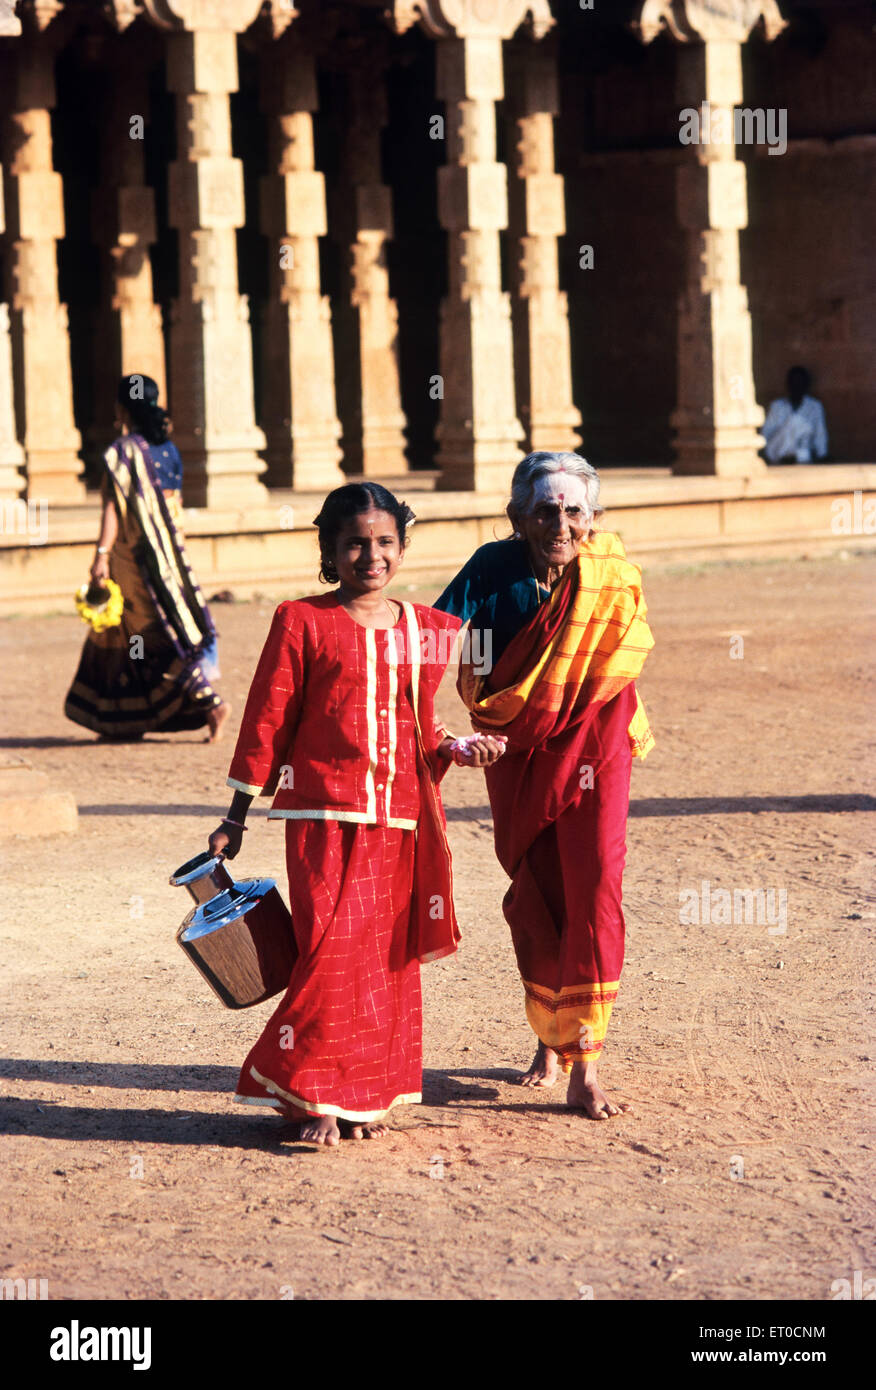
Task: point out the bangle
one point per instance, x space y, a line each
103 550
226 820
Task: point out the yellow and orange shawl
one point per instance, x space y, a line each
586 643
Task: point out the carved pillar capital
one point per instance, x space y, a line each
707 21
232 16
10 24
465 19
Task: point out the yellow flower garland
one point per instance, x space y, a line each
100 616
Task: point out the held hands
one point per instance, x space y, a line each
226 839
476 750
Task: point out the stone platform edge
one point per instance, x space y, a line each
787 510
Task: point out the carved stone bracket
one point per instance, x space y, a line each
278 15
122 13
40 12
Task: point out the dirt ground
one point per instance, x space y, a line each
741 1172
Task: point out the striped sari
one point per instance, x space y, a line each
147 674
563 692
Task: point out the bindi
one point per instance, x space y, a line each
561 491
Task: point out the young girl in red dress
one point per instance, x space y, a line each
339 728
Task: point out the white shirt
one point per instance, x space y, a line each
797 434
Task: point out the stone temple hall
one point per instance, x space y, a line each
412 240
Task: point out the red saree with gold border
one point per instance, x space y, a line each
563 692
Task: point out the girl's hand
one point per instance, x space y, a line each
100 569
226 840
478 750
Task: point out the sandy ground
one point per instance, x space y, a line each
742 1170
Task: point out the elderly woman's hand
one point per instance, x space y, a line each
477 750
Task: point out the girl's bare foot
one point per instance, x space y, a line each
216 717
543 1071
585 1094
373 1130
320 1129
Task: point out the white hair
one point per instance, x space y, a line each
541 463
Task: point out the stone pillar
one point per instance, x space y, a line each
540 312
39 331
298 372
211 395
717 418
479 435
132 340
12 480
378 447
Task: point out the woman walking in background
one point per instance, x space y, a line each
150 671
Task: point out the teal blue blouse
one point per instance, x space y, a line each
496 590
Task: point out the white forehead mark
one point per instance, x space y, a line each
567 489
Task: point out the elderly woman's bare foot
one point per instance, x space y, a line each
585 1094
320 1129
374 1129
216 717
543 1071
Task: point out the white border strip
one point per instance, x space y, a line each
315 1108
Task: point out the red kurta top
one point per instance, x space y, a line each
329 727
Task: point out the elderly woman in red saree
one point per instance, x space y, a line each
562 609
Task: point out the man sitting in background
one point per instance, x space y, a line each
795 430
